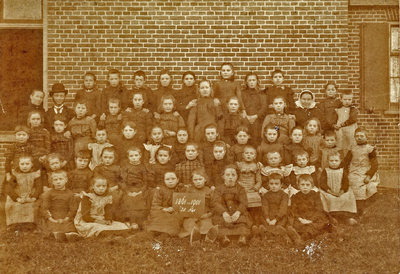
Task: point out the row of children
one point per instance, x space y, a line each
261 132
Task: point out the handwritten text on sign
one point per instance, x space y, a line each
189 204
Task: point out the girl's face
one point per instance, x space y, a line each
242 138
251 81
211 134
108 158
59 126
361 138
306 100
277 79
233 105
100 187
249 155
55 164
198 181
330 141
80 110
230 177
312 127
191 152
37 98
134 157
219 153
274 185
226 72
59 98
138 101
334 162
297 136
157 135
101 136
21 137
81 163
305 186
163 157
25 164
165 80
205 89
302 160
139 81
128 132
88 82
35 120
330 91
271 135
188 80
274 159
182 136
59 181
168 105
113 79
279 105
170 180
347 100
113 108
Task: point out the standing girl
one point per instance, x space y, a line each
39 136
306 108
164 88
204 113
313 140
186 97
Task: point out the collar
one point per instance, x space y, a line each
89 90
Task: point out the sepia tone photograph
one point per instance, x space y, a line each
208 136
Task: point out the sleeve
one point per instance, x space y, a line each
283 206
263 102
149 124
239 95
291 124
73 206
243 202
38 187
217 203
108 211
124 175
319 209
258 178
374 164
347 160
290 100
267 120
46 204
9 157
345 181
125 102
323 181
92 125
191 122
86 205
181 122
47 142
157 200
265 207
352 117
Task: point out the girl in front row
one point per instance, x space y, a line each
94 214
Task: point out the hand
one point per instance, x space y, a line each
169 209
252 119
103 117
63 221
206 215
216 102
191 104
30 199
145 110
113 188
291 116
52 220
243 114
21 200
119 117
271 222
262 191
42 159
103 222
235 216
169 133
304 221
93 116
128 110
88 118
227 217
176 114
212 188
257 189
336 127
8 176
341 192
67 134
367 179
134 194
45 188
156 115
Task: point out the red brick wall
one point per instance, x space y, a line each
384 128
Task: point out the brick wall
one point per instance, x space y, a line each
384 128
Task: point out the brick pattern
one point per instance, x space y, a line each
384 129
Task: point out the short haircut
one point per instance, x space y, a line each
98 178
84 154
230 166
361 129
272 152
36 90
232 98
54 156
331 83
249 147
271 127
276 71
220 144
200 171
347 92
114 100
196 146
334 153
301 152
60 171
139 73
330 133
25 156
60 117
90 74
188 73
164 148
242 128
307 178
211 126
101 129
109 149
297 128
23 128
134 149
113 71
80 102
275 176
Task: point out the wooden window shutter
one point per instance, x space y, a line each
375 66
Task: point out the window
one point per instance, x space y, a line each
394 65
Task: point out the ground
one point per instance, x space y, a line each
370 247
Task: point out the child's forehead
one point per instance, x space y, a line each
274 181
37 91
21 132
302 156
302 181
168 100
113 104
54 159
336 157
128 128
101 131
165 75
137 77
138 95
227 67
113 75
182 131
80 105
233 100
163 152
59 122
89 76
271 130
219 148
273 154
108 153
25 159
249 149
134 153
297 131
170 175
203 83
229 170
211 130
100 182
278 99
35 115
332 137
191 147
242 133
59 175
82 159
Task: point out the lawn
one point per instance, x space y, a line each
370 247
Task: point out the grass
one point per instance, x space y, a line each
370 247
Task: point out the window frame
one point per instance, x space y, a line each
393 106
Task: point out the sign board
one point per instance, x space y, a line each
189 204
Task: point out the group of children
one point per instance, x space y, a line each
265 163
